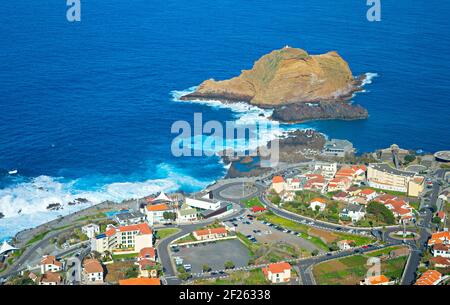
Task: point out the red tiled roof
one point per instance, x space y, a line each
367 192
441 214
50 277
143 228
92 266
429 277
257 209
50 260
140 281
144 263
441 247
220 230
439 260
321 200
278 267
148 252
439 237
277 179
158 207
378 279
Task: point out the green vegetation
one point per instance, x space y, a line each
92 217
381 212
350 270
320 238
131 272
38 237
170 216
252 277
186 239
252 248
380 191
124 256
253 202
166 232
228 265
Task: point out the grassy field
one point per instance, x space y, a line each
124 256
116 271
320 238
187 238
253 277
166 232
253 202
351 270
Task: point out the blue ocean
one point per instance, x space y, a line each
86 108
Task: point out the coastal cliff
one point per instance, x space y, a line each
287 78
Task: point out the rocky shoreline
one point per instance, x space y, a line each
297 146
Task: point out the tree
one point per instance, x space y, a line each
436 220
276 199
170 216
131 272
410 158
381 212
315 252
206 268
228 265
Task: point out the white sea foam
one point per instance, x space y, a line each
32 198
244 115
369 78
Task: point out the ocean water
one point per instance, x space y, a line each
86 108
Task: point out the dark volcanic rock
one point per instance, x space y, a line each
54 206
2 215
300 112
78 201
298 146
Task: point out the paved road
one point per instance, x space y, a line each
164 251
31 253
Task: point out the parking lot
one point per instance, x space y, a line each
264 233
214 255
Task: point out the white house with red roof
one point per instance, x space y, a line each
376 280
400 209
429 278
442 250
210 233
49 279
318 202
314 182
278 184
92 271
339 184
155 213
368 194
278 272
439 238
131 238
345 244
50 263
147 253
292 184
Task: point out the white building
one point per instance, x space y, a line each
155 213
49 263
353 211
318 202
90 230
203 203
278 272
326 169
186 214
130 238
92 271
